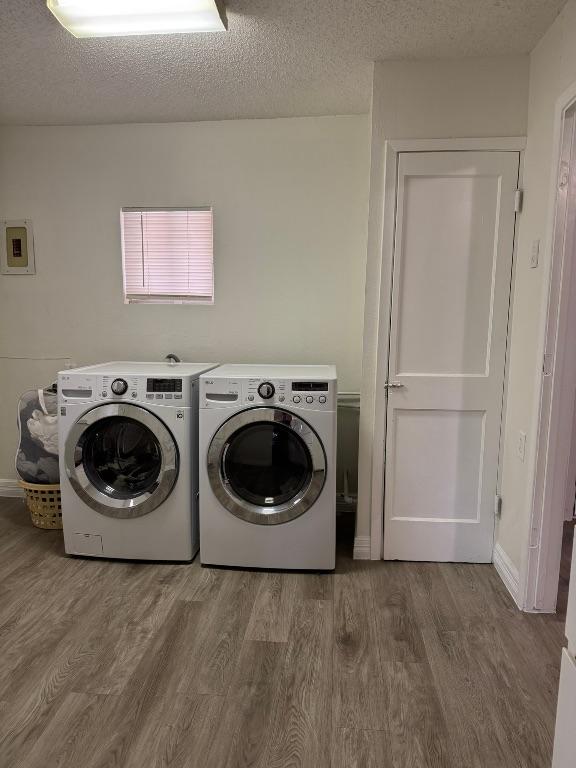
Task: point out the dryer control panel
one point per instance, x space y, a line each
294 395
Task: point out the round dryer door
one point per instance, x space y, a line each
121 460
266 466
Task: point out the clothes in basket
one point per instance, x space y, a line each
37 455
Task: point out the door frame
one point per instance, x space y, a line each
392 150
538 582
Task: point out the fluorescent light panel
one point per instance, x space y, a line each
117 18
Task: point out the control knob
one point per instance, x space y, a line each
119 386
266 390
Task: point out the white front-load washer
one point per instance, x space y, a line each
128 460
268 466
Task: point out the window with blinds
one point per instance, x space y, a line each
167 255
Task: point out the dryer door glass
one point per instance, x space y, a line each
267 464
122 457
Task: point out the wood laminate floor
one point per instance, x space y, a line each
379 665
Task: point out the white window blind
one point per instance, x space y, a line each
167 255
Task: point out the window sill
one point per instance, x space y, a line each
152 300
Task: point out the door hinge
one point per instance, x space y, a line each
564 175
534 542
547 364
498 505
518 200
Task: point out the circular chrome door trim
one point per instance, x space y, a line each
266 515
137 506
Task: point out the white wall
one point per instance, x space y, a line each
552 70
290 203
465 98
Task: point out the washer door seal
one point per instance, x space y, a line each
266 465
121 460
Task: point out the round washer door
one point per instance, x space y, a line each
121 460
266 466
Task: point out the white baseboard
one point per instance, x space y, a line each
10 489
507 572
361 548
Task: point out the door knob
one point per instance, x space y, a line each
393 385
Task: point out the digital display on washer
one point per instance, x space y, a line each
164 385
309 386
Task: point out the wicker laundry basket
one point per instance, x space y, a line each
43 502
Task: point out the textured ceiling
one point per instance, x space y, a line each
279 58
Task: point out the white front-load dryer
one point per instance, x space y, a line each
268 466
128 460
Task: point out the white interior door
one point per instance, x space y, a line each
450 294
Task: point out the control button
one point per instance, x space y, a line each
296 399
149 397
159 397
309 399
281 398
134 394
104 394
266 390
177 397
321 399
250 397
119 386
167 397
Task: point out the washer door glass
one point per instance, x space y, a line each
122 457
266 465
121 460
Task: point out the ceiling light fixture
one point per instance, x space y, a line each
116 18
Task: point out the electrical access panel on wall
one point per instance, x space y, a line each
17 248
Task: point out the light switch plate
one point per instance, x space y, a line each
521 446
17 248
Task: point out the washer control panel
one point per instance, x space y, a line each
173 391
307 395
118 388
